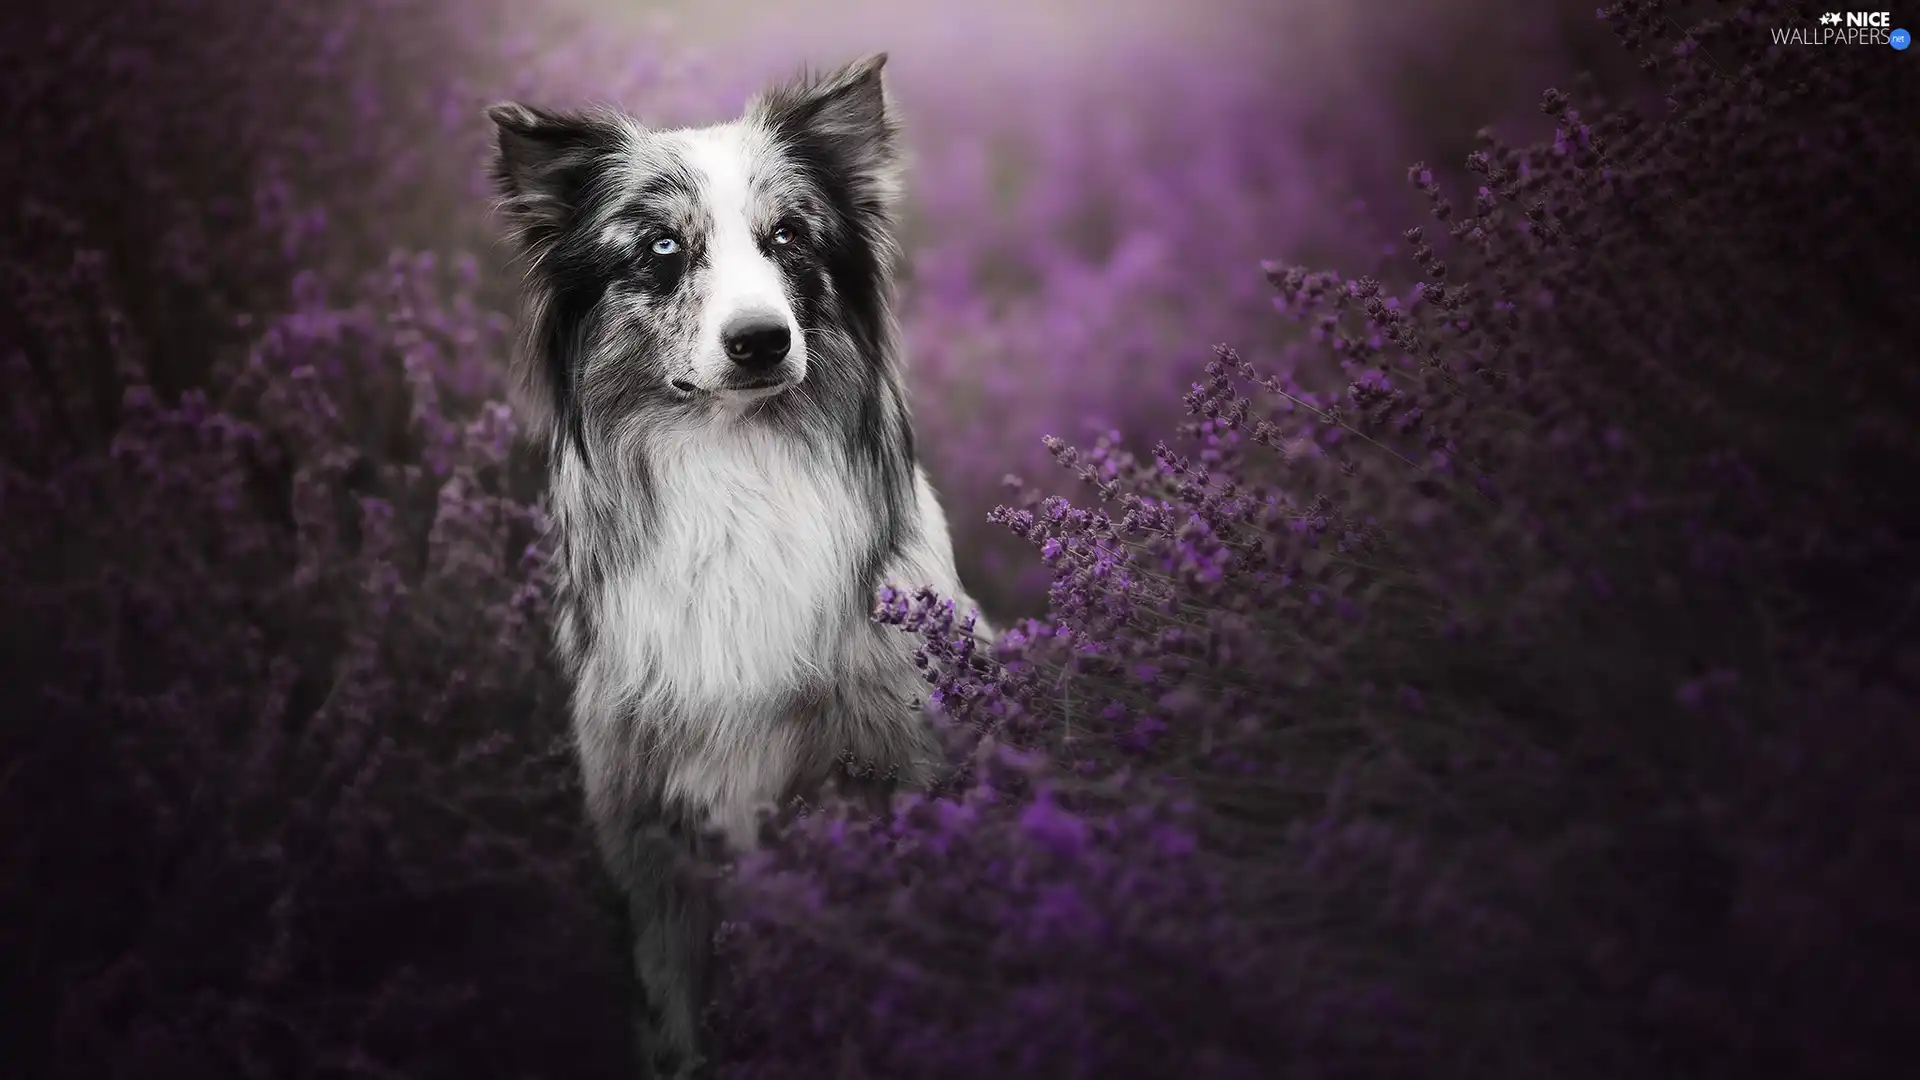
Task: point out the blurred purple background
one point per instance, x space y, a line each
294 778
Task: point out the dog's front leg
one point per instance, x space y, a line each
885 741
664 867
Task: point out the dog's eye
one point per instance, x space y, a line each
784 235
666 245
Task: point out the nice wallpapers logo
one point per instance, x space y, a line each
1847 28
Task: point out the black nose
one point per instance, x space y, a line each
756 341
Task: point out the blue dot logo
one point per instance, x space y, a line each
1900 39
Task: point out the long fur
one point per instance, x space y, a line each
720 542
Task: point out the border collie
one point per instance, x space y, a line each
711 360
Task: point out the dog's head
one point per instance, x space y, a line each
701 267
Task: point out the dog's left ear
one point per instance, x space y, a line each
541 165
844 117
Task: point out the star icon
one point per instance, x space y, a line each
1831 18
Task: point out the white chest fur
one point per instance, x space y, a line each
746 576
739 594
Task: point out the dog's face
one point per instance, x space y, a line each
700 267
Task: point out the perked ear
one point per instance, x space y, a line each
542 165
844 116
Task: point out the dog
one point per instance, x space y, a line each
710 358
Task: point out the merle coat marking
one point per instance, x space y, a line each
711 360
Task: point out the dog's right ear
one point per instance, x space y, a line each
542 165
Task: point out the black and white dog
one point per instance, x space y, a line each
711 359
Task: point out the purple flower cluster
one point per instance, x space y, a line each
1497 662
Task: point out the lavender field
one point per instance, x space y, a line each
1459 600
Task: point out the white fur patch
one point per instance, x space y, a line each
741 601
748 555
740 277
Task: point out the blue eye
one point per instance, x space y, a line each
783 235
666 245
